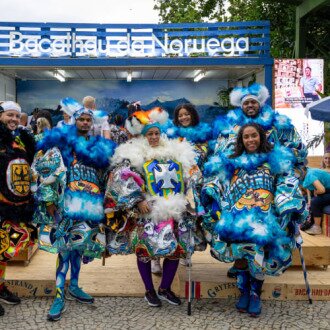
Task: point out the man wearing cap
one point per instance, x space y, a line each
252 108
17 148
73 217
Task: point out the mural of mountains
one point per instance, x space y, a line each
206 112
116 106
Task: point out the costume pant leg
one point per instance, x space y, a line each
145 272
75 262
3 266
62 267
170 267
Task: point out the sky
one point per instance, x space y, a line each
78 11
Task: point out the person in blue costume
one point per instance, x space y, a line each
149 177
251 107
187 126
17 147
317 181
257 214
69 172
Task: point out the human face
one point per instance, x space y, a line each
326 159
66 117
153 136
308 72
184 117
251 139
251 107
11 119
84 124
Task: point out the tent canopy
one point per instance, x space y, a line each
320 110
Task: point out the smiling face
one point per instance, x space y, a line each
153 136
84 124
251 107
10 119
326 160
184 117
251 139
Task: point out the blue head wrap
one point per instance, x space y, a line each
148 126
83 111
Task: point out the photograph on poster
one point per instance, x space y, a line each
297 83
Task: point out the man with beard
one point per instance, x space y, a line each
16 204
252 108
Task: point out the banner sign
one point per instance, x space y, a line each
183 40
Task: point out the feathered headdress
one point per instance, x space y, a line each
75 109
256 91
141 121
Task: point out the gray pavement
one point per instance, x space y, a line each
133 313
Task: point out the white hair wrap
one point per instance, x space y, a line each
10 106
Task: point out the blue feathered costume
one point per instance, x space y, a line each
279 128
254 204
69 172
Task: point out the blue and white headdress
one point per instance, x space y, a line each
256 92
83 111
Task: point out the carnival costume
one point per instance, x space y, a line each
16 203
260 195
157 175
198 136
279 128
69 172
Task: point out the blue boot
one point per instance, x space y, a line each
255 302
243 284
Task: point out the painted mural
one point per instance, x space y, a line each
113 96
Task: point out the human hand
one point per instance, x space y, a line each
143 207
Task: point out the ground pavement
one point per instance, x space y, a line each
133 313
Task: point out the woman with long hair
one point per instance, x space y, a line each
253 215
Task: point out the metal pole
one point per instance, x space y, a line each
299 242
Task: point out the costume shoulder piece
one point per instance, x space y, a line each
95 151
195 134
138 151
280 160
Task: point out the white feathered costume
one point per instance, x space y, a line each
158 175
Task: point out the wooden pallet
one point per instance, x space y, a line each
120 277
316 250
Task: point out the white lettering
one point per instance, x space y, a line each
176 46
41 48
15 45
246 44
212 46
120 46
228 51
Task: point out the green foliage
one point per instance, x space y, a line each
281 14
190 11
